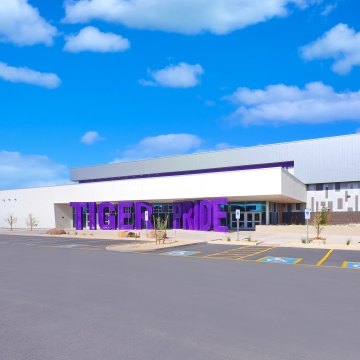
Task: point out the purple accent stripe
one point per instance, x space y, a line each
284 164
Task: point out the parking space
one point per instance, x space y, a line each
338 257
279 260
242 252
202 249
307 256
266 254
61 242
258 254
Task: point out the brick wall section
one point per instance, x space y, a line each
346 217
295 218
335 218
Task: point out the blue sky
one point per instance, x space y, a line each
96 81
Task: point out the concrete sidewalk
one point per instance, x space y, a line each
337 237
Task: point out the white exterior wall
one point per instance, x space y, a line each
274 184
348 196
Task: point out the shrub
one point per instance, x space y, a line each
31 221
11 220
320 220
56 231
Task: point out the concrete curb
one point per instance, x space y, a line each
117 248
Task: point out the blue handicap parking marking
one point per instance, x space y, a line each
279 260
181 253
351 265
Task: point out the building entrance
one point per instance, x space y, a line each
251 214
248 220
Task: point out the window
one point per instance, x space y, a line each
297 207
340 204
319 187
337 186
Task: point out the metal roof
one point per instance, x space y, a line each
324 160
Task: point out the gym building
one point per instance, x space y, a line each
269 184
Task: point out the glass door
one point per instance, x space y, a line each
234 221
253 219
250 220
257 218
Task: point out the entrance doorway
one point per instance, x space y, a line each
248 220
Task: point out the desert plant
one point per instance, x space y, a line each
303 240
348 241
228 238
160 226
321 219
31 221
11 220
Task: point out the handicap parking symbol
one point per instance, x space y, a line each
181 253
279 260
351 265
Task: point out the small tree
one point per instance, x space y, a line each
11 220
160 226
320 220
31 221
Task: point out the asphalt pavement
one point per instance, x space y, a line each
65 303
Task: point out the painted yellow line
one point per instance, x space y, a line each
237 255
249 261
249 250
221 252
324 258
298 260
258 252
258 260
344 264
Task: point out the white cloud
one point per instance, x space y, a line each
92 39
21 24
91 137
161 145
28 76
282 104
223 146
19 170
340 43
181 16
181 75
328 9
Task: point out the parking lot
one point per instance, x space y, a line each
61 242
250 253
70 299
269 254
